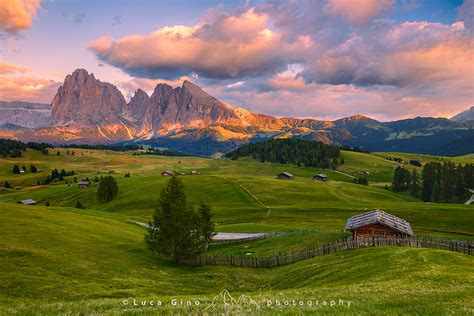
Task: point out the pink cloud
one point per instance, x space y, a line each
228 47
30 89
324 101
409 53
358 11
6 68
17 15
17 85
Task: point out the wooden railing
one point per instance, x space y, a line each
465 247
224 242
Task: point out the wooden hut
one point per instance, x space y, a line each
285 176
377 223
168 173
83 184
320 177
27 202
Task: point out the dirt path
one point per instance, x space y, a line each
222 236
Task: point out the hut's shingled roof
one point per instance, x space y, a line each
379 217
28 202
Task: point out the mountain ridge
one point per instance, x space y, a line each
87 110
465 116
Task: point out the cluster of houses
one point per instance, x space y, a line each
289 176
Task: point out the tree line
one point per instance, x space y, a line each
13 148
17 170
159 152
125 147
57 176
446 182
292 151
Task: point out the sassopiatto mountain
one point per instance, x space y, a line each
186 118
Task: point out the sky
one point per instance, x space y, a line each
323 59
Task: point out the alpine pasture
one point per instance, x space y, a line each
60 259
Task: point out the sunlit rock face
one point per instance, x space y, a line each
89 109
82 99
86 110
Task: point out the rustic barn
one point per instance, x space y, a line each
320 177
285 176
27 202
377 223
168 173
83 184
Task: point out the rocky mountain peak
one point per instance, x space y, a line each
358 117
78 77
189 89
140 94
82 99
137 107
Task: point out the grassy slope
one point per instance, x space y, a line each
244 194
54 260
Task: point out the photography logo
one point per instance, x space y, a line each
228 304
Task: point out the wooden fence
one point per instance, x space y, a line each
224 242
465 247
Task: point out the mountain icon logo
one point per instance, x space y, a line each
226 303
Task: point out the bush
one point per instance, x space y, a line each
361 180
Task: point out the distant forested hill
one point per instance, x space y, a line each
292 151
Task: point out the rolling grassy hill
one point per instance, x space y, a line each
60 260
245 194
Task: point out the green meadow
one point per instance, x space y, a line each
63 260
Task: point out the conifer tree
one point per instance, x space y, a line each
174 229
415 185
108 189
207 226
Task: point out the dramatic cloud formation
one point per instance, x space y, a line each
409 53
310 58
16 85
17 15
358 12
224 47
